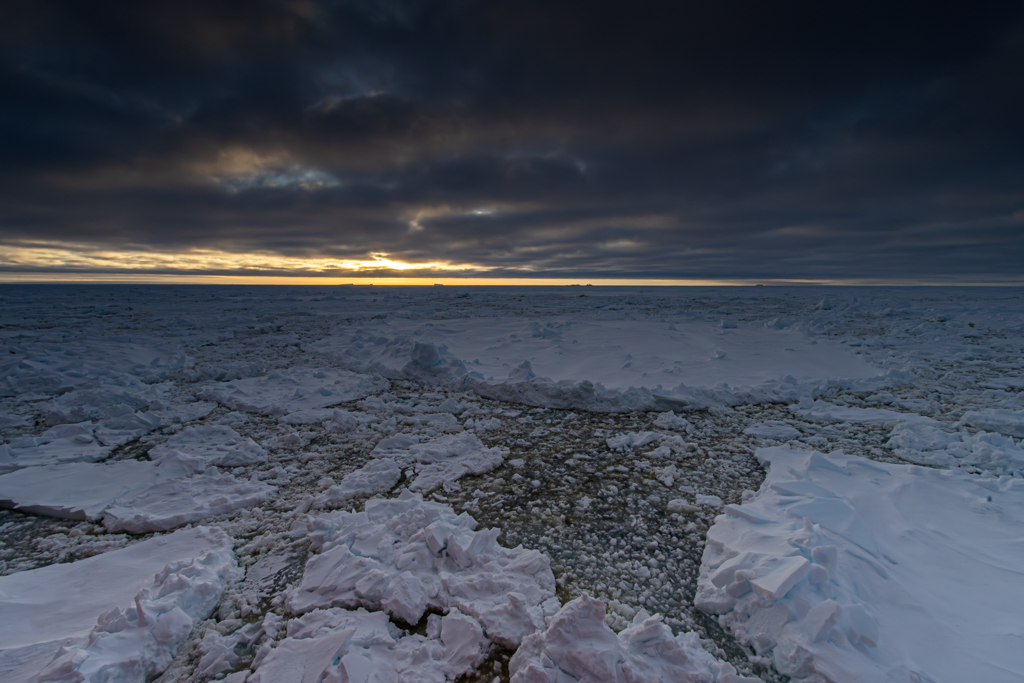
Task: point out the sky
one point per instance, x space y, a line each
490 141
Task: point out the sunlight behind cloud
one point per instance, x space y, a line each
45 256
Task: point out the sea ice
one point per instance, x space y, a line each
927 445
406 556
130 495
119 617
1009 422
773 429
84 490
601 360
215 445
173 503
823 411
846 569
343 645
440 460
288 391
578 647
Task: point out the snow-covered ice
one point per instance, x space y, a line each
118 617
289 391
214 445
130 495
773 429
578 647
356 645
174 503
845 569
85 490
315 398
405 556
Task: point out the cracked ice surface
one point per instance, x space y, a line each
545 380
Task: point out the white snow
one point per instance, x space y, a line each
578 647
854 570
405 556
119 617
288 391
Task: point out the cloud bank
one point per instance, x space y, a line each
871 140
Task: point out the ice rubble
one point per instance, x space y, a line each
119 617
343 645
291 390
578 647
1004 421
846 569
406 556
926 444
436 462
56 366
130 495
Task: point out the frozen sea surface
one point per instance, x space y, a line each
627 442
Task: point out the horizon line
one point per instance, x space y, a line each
197 279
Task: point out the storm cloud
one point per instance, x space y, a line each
731 139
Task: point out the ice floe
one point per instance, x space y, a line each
130 495
773 429
213 445
823 411
119 617
927 445
288 391
846 569
430 463
170 504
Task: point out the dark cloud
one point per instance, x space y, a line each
725 139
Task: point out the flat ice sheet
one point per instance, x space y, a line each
85 490
288 391
131 495
216 445
173 503
618 353
61 604
863 571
